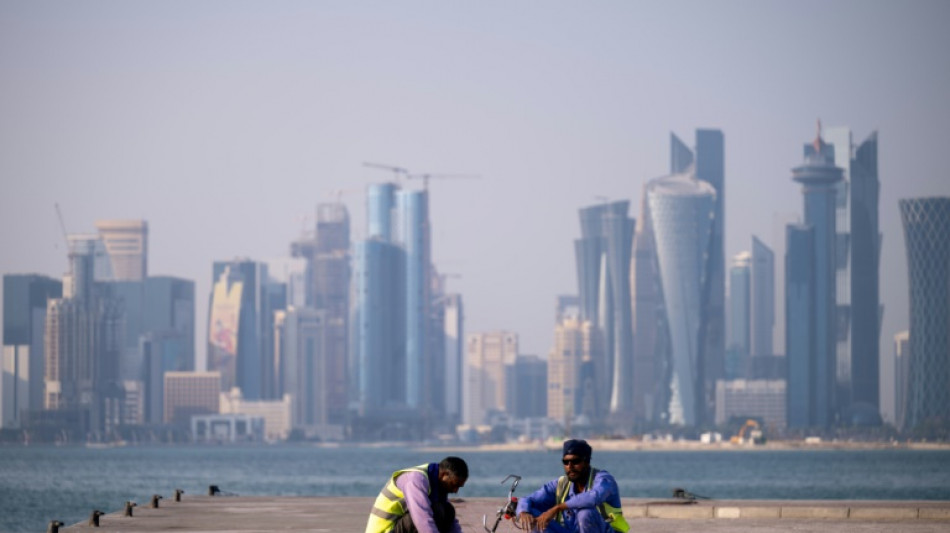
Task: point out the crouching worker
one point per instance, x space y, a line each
583 500
417 499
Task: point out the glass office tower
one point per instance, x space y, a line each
380 325
681 208
241 327
412 208
927 237
649 326
24 319
603 256
762 303
866 309
800 325
707 163
858 245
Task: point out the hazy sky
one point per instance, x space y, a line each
223 124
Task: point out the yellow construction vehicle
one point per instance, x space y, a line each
750 433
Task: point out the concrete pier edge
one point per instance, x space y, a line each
266 513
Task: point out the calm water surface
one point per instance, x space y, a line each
39 483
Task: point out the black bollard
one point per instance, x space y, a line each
128 508
54 526
213 490
94 518
178 493
155 498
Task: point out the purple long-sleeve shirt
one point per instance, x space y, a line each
415 486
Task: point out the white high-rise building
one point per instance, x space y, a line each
682 209
454 355
487 357
894 390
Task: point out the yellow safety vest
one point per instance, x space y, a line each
390 505
612 515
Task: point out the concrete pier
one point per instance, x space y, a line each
348 514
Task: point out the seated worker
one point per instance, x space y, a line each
583 500
417 499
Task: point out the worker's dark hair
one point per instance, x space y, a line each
456 466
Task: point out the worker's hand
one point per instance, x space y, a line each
526 521
549 515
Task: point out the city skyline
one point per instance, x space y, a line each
225 138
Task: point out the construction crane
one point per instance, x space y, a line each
62 225
426 177
397 171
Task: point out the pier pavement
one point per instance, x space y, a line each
348 514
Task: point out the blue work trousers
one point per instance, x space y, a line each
583 521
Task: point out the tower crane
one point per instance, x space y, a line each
62 225
425 177
397 171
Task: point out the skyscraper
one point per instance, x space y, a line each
682 212
710 168
301 336
819 178
126 243
412 208
170 309
240 327
379 367
762 302
780 223
378 311
857 269
898 386
603 256
327 257
162 352
453 323
488 359
570 379
740 290
707 164
839 144
83 341
927 237
649 325
800 355
22 370
866 308
530 398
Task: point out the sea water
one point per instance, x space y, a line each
41 483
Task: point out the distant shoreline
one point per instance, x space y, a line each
688 446
613 445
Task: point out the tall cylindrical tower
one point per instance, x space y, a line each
819 177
